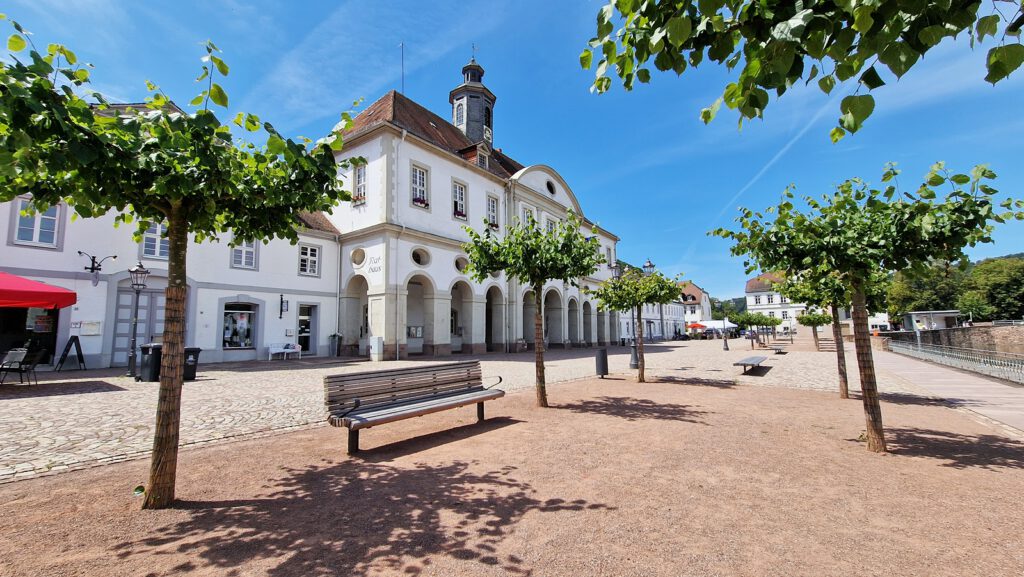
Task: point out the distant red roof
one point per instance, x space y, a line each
691 290
763 282
398 110
317 221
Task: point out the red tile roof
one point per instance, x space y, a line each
398 110
317 221
763 282
690 289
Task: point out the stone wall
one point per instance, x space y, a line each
1007 339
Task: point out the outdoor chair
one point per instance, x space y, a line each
26 365
12 360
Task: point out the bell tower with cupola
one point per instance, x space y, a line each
473 105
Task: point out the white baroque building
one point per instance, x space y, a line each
403 280
234 305
696 304
763 298
396 271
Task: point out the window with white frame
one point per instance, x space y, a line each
757 300
243 255
37 228
420 193
459 114
771 299
528 214
359 192
785 314
608 256
239 326
309 260
771 314
783 299
155 243
492 211
693 310
551 224
459 200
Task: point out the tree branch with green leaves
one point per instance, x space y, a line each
775 45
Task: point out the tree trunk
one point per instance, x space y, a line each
837 334
164 464
538 347
640 344
814 333
866 366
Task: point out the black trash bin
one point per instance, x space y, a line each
150 370
191 362
602 362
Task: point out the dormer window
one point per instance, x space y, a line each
481 160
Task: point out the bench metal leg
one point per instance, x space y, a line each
479 412
353 441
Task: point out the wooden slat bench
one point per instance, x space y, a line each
749 362
362 400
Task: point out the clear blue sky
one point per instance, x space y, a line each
642 163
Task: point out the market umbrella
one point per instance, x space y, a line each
696 326
18 292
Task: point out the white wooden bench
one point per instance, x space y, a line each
284 349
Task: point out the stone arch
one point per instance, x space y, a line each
494 318
574 337
420 314
461 320
554 313
588 323
355 314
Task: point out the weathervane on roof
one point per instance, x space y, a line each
473 57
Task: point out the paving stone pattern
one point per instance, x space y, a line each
79 419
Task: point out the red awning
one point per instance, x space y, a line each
695 326
16 292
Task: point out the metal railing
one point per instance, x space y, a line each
1009 366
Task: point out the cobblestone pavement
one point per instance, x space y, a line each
77 419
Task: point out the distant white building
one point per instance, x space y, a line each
696 305
762 297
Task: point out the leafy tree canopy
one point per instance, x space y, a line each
814 319
994 290
777 44
634 288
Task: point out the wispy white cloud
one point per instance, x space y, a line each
354 54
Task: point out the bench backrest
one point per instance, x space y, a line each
397 385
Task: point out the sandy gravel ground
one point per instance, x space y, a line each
666 478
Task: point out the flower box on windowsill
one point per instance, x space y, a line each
421 202
358 200
493 225
459 215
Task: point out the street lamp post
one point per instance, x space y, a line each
634 359
725 333
139 274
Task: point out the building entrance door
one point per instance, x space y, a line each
307 329
151 322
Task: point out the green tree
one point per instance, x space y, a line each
934 287
777 44
974 305
829 291
533 256
815 320
1000 283
632 290
152 164
858 232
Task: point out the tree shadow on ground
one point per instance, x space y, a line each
697 382
633 409
915 400
990 452
49 389
359 518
